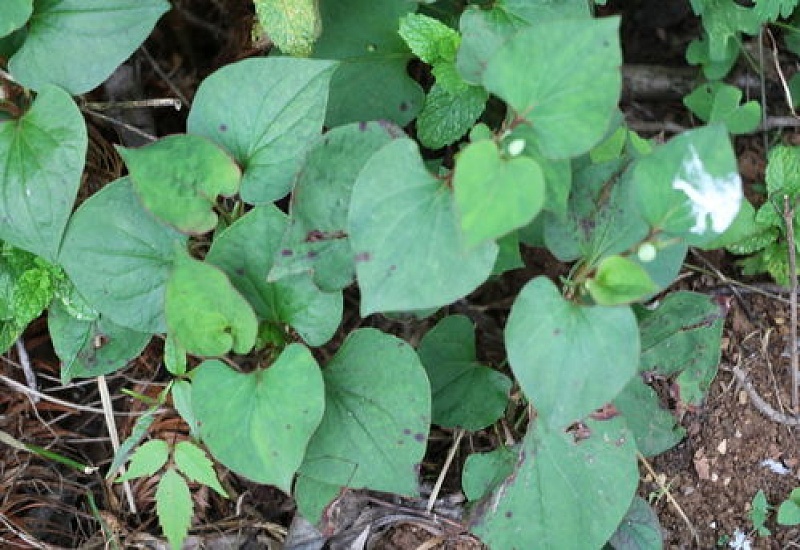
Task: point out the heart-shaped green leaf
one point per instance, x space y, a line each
179 177
568 89
14 14
418 260
77 44
466 394
246 250
41 161
278 113
619 280
495 195
205 313
377 414
568 491
259 424
119 257
554 344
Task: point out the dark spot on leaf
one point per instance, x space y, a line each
420 437
407 431
362 126
311 254
239 271
288 426
556 331
392 267
275 454
400 442
286 252
363 257
223 127
605 43
404 106
509 514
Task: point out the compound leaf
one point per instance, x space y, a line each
174 507
192 461
146 460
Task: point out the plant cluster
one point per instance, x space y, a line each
191 245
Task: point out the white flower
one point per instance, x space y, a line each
709 196
740 541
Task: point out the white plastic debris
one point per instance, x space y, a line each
719 198
775 466
740 541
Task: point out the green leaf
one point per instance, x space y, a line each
245 251
292 25
27 285
14 14
119 257
90 348
149 458
312 497
690 187
371 82
466 394
722 22
570 108
655 429
316 239
759 510
547 11
418 260
377 414
554 344
62 44
259 424
278 112
567 491
174 356
182 400
179 177
429 39
783 173
483 32
483 472
719 102
174 507
508 256
495 195
619 280
204 311
698 53
789 510
639 529
192 462
41 161
771 10
138 433
447 116
682 335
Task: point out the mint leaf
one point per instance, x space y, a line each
293 26
429 39
447 116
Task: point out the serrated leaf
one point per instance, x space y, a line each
14 14
192 462
259 424
495 195
619 280
138 433
418 261
90 348
119 257
61 46
690 187
371 82
316 239
146 460
205 313
783 173
759 509
565 492
466 394
639 529
722 22
483 472
446 117
179 177
41 160
174 507
246 250
429 39
278 112
569 109
292 25
554 344
377 415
